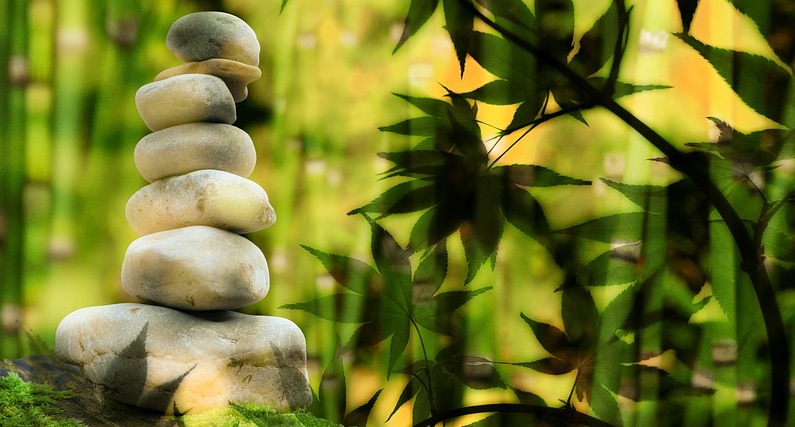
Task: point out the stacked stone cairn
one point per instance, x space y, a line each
182 350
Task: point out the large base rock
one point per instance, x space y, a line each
174 362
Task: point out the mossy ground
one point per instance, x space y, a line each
27 404
24 404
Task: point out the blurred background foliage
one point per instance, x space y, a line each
68 127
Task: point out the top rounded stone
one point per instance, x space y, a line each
205 35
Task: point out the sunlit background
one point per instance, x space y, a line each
68 127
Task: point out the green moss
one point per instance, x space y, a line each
253 416
24 404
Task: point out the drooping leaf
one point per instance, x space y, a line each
626 228
410 196
425 162
618 266
505 92
596 46
349 272
419 13
527 112
622 89
549 365
409 391
751 69
554 341
640 195
503 59
339 307
687 8
430 106
535 176
434 225
359 416
515 15
418 126
524 212
604 404
528 398
459 23
427 314
580 316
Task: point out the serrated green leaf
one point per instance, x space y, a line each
514 13
431 106
528 398
527 112
640 195
626 228
419 13
618 266
339 307
503 59
580 316
503 92
535 176
409 391
432 269
780 247
622 89
466 138
596 45
548 365
418 161
406 197
434 225
432 313
524 212
687 8
554 341
418 126
359 416
349 272
752 67
604 404
398 344
459 23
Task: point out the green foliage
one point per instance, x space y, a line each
264 417
670 256
24 404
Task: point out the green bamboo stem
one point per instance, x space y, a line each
12 248
752 262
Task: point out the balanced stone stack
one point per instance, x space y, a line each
182 349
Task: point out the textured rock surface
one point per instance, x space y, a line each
206 197
236 75
167 360
185 98
195 146
196 268
206 35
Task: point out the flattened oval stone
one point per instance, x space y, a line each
196 268
206 197
205 35
195 146
236 75
185 98
171 361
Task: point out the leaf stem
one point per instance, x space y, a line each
567 415
752 262
429 387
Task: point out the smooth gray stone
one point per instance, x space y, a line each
195 268
205 197
205 35
171 361
236 75
195 146
185 98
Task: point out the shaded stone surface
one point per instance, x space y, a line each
204 35
195 268
186 98
175 362
206 197
236 75
195 146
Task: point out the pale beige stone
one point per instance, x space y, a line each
195 146
172 361
206 35
185 98
236 75
195 268
206 197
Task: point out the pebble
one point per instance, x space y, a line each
171 361
205 197
185 98
236 75
180 149
195 268
205 35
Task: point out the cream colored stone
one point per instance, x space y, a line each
206 197
206 35
195 146
236 75
185 98
172 361
195 268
